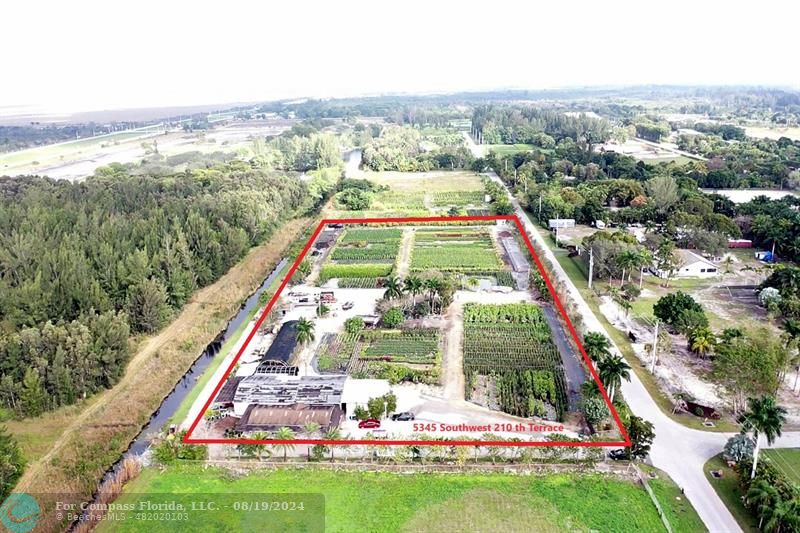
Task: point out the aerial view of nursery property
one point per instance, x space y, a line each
438 330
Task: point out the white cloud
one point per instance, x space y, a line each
91 54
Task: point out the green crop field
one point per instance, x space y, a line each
359 283
334 352
458 234
374 253
418 346
379 235
505 341
357 270
424 502
455 258
393 200
457 198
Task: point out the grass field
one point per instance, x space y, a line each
678 159
729 491
429 502
679 512
427 182
787 461
773 133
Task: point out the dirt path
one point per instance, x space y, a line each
453 354
404 254
156 366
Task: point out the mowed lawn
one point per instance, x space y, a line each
428 502
787 460
507 149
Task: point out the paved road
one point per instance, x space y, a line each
675 151
573 369
678 450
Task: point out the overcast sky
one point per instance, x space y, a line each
86 55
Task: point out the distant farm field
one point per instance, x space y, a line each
507 149
430 182
54 153
424 502
773 133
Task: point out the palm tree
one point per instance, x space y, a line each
394 288
432 285
782 514
762 495
310 428
645 260
763 416
612 370
702 341
792 335
304 331
596 346
627 260
259 448
333 434
413 286
284 433
728 262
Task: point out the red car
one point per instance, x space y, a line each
369 423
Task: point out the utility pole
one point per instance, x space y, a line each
655 349
591 265
540 207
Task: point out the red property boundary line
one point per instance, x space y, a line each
512 218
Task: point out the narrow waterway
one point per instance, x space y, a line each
189 380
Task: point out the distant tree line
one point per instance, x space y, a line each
408 150
524 125
84 265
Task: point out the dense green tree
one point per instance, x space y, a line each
12 463
680 311
392 318
81 264
749 366
147 306
642 435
